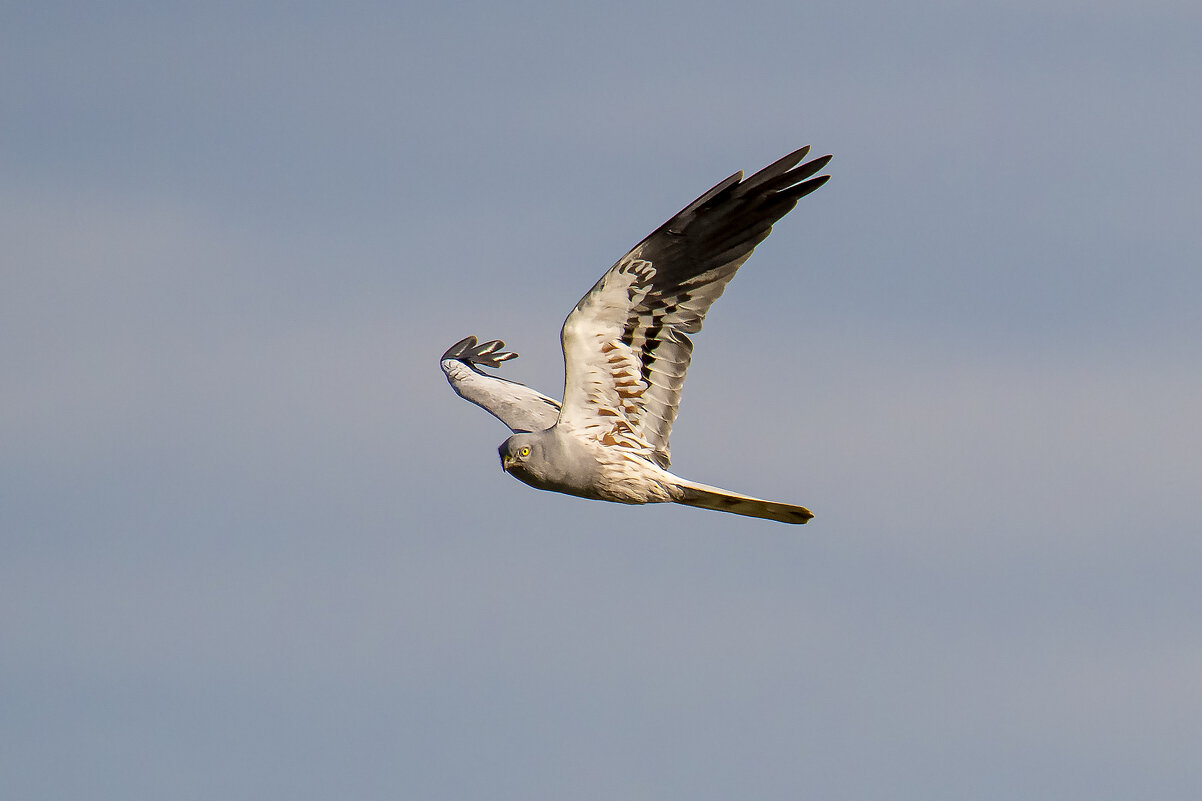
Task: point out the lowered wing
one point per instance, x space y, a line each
516 405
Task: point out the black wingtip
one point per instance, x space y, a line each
488 354
460 348
781 175
803 189
811 167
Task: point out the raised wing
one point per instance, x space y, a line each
626 346
516 405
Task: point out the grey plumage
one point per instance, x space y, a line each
516 405
626 351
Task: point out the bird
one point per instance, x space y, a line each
627 347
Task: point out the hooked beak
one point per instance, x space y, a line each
505 460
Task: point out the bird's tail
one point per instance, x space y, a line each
706 497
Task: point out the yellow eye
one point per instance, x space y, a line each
524 452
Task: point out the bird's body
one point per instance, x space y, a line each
626 350
557 461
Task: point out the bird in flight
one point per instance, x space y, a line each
626 348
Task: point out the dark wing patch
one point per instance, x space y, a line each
488 354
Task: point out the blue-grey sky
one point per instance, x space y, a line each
251 545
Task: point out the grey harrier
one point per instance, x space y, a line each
626 349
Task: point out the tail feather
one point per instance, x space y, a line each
703 496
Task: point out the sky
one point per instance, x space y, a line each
252 546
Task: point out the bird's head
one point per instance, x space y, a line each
517 452
550 460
